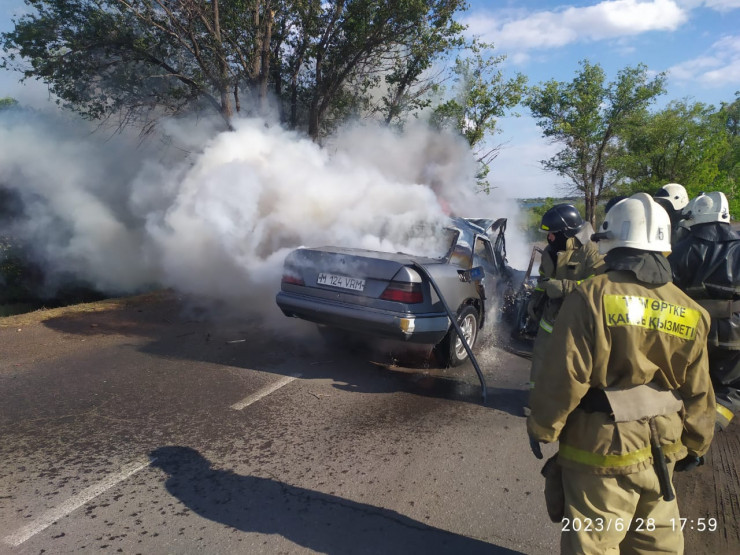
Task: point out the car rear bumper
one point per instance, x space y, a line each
426 328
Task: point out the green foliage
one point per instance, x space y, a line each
8 102
687 143
683 143
141 59
483 96
728 180
407 80
357 42
17 274
104 58
587 116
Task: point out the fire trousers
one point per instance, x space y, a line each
618 515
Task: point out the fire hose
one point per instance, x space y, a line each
473 274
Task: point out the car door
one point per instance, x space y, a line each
483 256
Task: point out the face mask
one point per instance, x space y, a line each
559 242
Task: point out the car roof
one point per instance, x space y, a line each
470 226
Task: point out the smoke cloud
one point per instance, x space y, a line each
213 215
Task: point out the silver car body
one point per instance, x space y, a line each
412 311
322 285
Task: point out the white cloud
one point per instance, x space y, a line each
718 67
605 20
722 5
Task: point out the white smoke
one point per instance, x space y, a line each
216 217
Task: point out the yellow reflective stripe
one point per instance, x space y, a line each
672 448
538 289
652 314
610 461
580 281
547 326
724 411
544 227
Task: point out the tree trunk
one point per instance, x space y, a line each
264 75
590 201
313 118
227 111
257 62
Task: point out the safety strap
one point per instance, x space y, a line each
642 401
589 458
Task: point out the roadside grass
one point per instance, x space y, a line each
117 303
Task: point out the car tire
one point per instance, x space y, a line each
451 349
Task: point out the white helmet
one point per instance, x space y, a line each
707 208
675 194
637 222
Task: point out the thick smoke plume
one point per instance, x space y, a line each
215 215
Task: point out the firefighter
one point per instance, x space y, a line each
673 197
706 265
627 392
569 257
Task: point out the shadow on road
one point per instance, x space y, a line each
314 520
172 329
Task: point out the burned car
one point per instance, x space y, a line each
394 295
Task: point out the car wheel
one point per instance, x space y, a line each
453 347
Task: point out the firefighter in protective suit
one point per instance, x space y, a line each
627 392
706 265
674 198
569 257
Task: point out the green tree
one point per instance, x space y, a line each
483 96
729 178
683 143
410 80
587 116
142 59
7 102
359 41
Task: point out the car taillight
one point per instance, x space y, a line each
293 280
403 292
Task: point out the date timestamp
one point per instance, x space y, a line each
704 524
708 524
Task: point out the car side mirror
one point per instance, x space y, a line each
474 274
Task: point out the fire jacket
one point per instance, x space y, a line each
706 265
561 272
627 327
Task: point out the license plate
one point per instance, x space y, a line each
341 281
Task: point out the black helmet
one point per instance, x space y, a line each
612 201
562 218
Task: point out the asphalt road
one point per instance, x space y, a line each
151 427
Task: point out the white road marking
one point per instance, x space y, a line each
264 392
74 502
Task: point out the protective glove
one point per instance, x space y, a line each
534 445
689 462
554 288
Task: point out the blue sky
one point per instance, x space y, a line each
696 41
